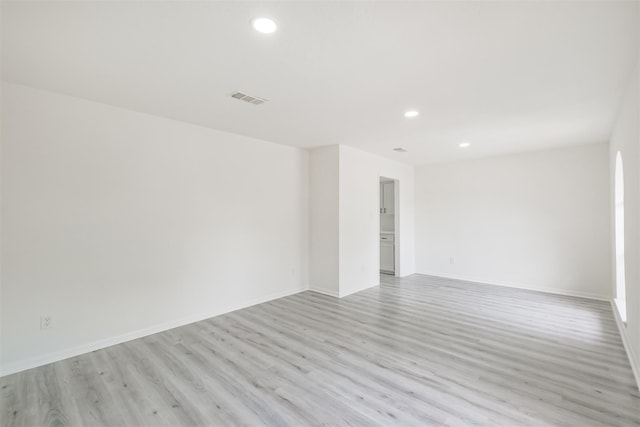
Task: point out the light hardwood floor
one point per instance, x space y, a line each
416 351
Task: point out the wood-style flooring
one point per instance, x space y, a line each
418 351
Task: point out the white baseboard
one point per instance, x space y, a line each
45 359
335 294
353 291
525 287
323 291
633 360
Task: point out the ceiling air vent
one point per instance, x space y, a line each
247 98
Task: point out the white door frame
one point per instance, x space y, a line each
396 225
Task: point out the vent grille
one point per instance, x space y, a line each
400 150
248 98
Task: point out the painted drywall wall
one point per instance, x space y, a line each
345 219
118 224
359 243
626 139
535 220
323 220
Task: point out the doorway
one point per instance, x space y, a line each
388 219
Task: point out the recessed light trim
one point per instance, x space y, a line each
464 144
411 114
264 25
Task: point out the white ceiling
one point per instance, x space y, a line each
505 76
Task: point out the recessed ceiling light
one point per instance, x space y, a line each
264 25
464 144
400 150
411 113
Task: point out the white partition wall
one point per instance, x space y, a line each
360 174
345 219
323 220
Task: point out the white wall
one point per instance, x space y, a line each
626 139
323 222
119 224
535 220
360 219
345 219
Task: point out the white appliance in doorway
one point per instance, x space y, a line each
387 226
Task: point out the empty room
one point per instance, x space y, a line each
306 213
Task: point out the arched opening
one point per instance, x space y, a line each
619 236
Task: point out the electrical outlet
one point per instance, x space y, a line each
452 260
46 322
